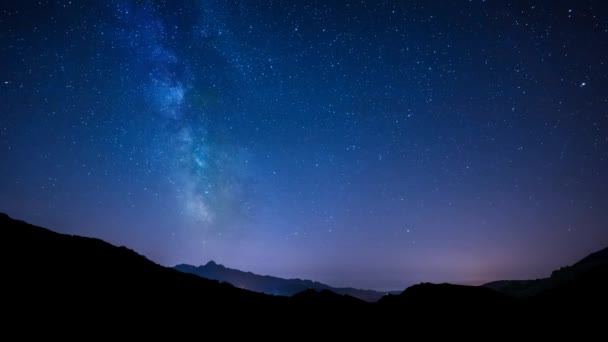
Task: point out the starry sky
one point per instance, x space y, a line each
373 144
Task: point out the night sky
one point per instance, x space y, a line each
373 144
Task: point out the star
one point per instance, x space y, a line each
227 124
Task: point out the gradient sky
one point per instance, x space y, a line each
373 144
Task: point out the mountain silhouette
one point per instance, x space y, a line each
72 282
69 281
448 298
590 272
48 270
272 285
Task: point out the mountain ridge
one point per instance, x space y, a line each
57 278
274 285
559 278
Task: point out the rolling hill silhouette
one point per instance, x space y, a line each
52 277
272 285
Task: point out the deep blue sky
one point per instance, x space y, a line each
368 143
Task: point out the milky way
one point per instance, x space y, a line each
365 143
207 182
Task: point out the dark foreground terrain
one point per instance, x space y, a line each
71 281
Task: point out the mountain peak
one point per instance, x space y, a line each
213 264
269 284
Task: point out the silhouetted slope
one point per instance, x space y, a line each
76 281
582 286
49 276
47 269
590 272
270 284
429 296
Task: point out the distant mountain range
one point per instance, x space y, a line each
274 285
71 283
